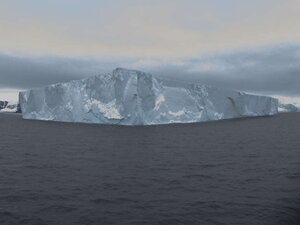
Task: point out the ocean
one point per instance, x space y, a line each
240 171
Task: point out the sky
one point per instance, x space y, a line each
247 45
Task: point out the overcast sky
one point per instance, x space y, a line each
250 45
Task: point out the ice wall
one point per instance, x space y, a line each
131 97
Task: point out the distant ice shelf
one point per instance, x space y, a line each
9 106
283 108
130 97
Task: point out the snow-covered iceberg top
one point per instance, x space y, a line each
131 97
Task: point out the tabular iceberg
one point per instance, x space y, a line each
130 97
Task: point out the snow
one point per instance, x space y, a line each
109 110
179 113
7 110
130 97
160 99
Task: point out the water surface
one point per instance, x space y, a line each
244 171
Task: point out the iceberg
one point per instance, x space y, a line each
288 103
131 97
8 106
3 104
283 108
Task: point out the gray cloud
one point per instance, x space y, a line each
271 70
25 73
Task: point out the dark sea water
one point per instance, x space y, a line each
244 171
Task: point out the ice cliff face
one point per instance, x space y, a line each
130 97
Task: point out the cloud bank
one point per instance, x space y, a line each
150 28
273 70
